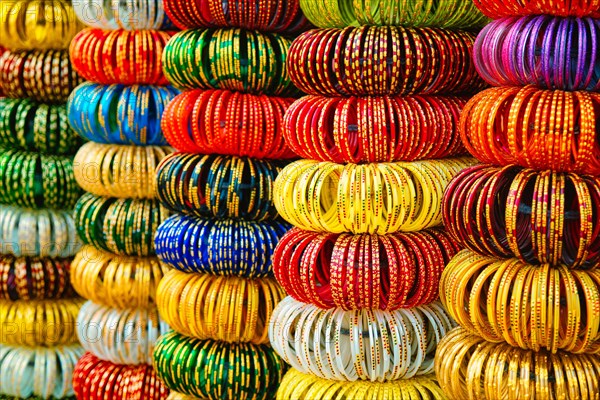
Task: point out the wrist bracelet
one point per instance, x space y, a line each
468 367
116 281
363 271
219 247
213 369
121 226
561 8
119 114
179 396
117 170
228 123
123 14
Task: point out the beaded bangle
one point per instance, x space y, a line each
532 307
468 367
232 59
37 25
370 198
355 345
127 57
37 233
116 281
38 322
219 247
225 308
45 76
218 186
39 372
545 217
95 379
121 226
123 14
374 129
365 271
561 8
212 369
299 386
383 61
229 123
534 128
26 278
119 114
118 171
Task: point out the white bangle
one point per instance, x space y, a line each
121 14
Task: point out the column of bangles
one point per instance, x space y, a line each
563 8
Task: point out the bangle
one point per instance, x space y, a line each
220 247
545 217
25 278
212 369
36 323
121 226
119 114
125 57
299 386
367 198
130 15
549 52
95 379
45 76
540 129
37 233
450 14
39 373
468 367
330 270
116 281
355 345
118 170
381 61
218 186
374 129
179 396
560 8
121 336
232 59
36 180
37 25
226 308
228 123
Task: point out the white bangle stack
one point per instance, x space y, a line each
121 14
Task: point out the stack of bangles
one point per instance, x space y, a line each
39 322
541 129
226 122
383 61
355 345
117 170
496 299
259 57
561 8
23 278
116 281
214 369
550 52
121 226
28 125
119 114
131 15
374 129
226 308
47 372
121 336
96 379
441 14
545 217
468 367
400 270
45 76
367 198
220 247
218 186
126 57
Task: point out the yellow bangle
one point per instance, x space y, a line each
179 396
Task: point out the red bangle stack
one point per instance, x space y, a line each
562 8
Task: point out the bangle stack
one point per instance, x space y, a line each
526 293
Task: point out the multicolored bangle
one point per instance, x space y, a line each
125 14
561 8
219 247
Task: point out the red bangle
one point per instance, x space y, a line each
227 123
563 8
